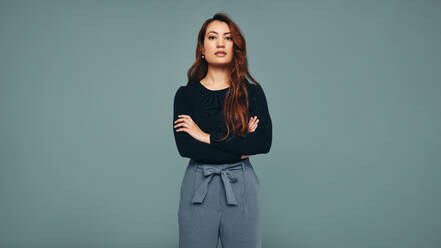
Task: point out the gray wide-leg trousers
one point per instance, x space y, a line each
220 201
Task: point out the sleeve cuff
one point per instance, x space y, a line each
212 138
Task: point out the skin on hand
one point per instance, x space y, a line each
189 126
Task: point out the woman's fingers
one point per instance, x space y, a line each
250 124
180 122
186 117
253 124
183 121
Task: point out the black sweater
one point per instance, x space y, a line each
205 107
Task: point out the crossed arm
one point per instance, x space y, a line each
192 142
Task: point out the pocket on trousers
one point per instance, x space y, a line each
198 177
187 184
256 178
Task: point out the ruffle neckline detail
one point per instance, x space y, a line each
212 100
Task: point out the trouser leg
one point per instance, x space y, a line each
198 223
240 226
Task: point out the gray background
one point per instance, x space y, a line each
87 151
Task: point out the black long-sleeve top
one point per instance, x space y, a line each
205 107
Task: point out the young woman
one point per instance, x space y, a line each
220 118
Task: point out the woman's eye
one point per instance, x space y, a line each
228 38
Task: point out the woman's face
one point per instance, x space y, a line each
218 38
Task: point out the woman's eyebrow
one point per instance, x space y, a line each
216 32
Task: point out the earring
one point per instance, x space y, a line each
203 56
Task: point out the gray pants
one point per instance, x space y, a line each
220 201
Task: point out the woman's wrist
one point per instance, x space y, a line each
207 138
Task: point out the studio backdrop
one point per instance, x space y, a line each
87 154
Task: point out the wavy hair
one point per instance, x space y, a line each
236 116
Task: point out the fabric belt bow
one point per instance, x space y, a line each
227 178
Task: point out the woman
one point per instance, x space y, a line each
219 195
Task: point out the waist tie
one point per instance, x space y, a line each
227 178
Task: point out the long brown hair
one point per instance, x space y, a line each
236 116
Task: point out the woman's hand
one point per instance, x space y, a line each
252 125
190 127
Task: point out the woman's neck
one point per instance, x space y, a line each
215 82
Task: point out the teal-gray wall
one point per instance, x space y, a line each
87 151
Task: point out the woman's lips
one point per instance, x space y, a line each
220 54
